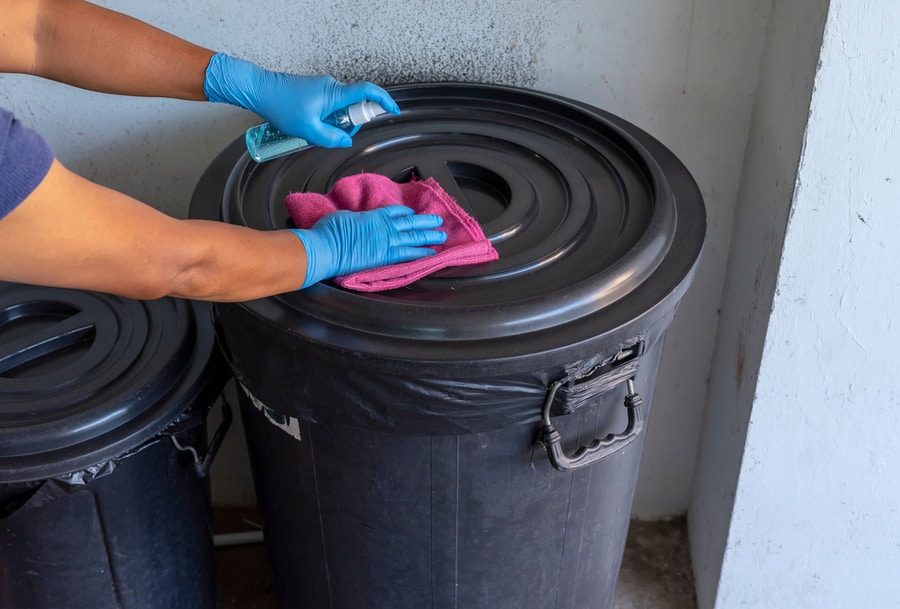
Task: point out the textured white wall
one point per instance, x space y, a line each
815 511
684 70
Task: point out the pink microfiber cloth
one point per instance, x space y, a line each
466 243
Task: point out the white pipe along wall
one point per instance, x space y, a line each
794 503
684 70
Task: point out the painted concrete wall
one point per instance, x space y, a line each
764 202
684 70
814 515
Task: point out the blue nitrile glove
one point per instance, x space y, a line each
294 104
345 242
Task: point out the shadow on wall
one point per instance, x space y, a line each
514 64
496 44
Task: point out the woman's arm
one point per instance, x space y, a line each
71 232
94 48
85 45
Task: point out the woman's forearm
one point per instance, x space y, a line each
73 233
94 48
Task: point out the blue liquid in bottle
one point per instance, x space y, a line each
265 142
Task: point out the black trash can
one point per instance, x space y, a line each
471 440
104 502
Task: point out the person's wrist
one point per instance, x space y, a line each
318 256
229 80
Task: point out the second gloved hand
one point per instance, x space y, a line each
292 103
345 242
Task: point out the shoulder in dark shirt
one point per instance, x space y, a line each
25 158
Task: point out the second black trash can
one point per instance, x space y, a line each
104 501
471 440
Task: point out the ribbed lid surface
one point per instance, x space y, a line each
86 377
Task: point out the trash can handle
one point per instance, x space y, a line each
600 448
203 464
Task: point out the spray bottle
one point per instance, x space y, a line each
265 142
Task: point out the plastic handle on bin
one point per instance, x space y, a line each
600 447
202 465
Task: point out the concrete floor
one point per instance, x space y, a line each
656 570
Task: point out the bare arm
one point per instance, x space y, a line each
73 233
88 46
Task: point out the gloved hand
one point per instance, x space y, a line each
345 242
294 104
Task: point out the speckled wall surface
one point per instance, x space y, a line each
684 70
469 40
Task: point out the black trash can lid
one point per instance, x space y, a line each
595 222
85 377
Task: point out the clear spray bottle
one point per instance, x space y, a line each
265 142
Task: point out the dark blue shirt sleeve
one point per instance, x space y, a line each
25 159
